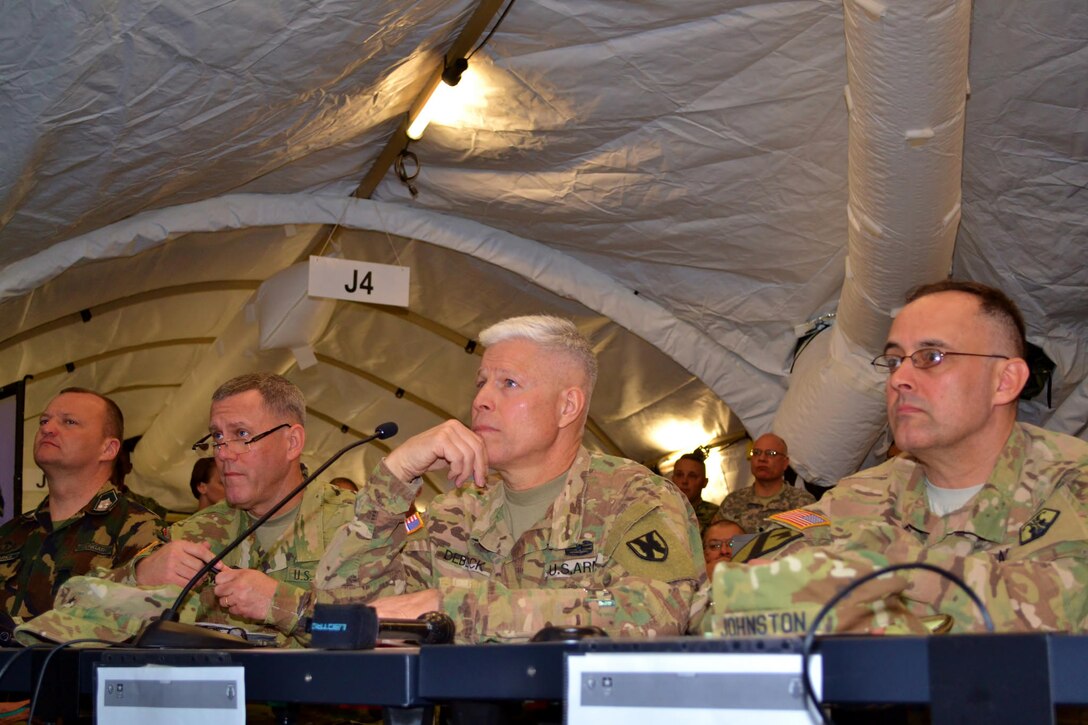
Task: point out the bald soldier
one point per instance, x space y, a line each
558 536
86 520
1002 504
769 493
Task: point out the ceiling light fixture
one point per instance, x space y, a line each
438 99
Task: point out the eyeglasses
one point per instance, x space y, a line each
769 453
926 357
238 446
717 544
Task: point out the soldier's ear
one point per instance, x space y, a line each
296 440
110 449
1012 376
572 402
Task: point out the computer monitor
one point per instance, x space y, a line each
11 450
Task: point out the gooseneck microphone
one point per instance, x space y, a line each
167 631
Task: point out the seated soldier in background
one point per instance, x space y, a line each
718 543
87 520
205 483
689 475
257 434
562 536
769 494
1002 504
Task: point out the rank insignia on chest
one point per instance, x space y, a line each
1038 525
800 519
413 523
649 547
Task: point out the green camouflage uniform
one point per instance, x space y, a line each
1021 544
750 510
36 558
704 513
616 550
113 607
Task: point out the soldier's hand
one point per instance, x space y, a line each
175 562
245 592
408 606
449 444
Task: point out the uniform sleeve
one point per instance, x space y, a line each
374 555
650 579
1028 585
141 529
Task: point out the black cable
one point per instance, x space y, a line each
45 665
810 635
492 31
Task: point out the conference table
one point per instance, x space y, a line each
1001 678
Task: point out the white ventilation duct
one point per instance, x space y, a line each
906 95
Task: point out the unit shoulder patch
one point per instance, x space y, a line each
651 546
766 543
1038 525
800 519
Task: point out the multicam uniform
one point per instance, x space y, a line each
616 550
115 608
37 557
751 510
704 513
1021 543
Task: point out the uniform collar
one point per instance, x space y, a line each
490 528
106 497
986 515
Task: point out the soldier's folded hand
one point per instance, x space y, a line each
175 562
245 592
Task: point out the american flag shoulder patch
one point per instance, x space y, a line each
800 519
413 523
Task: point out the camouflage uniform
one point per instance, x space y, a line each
704 513
36 557
113 607
616 550
750 510
1021 543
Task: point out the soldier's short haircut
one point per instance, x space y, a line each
279 394
115 419
701 460
993 303
551 333
715 522
202 473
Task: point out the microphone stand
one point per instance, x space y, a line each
167 631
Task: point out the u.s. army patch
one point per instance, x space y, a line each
649 547
1038 525
800 519
766 543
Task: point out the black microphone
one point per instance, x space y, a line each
356 626
167 631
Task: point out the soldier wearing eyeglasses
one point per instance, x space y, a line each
1001 504
257 436
769 493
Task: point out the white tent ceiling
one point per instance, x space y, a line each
674 176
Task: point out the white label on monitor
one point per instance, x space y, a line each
621 687
170 695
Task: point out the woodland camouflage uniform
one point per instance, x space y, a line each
115 608
37 557
616 550
1021 544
